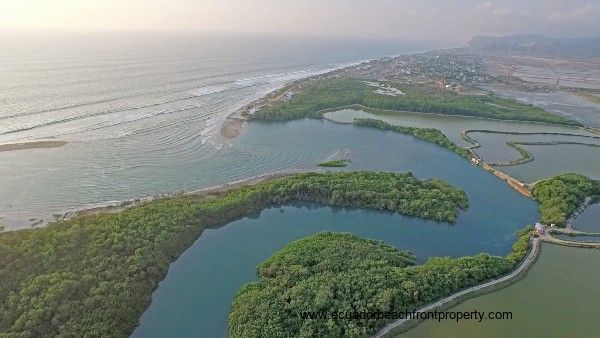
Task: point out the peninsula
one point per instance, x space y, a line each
96 273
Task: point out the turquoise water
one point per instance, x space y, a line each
195 297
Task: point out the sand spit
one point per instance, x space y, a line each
212 191
232 126
32 145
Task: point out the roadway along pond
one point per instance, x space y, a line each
195 297
558 298
523 267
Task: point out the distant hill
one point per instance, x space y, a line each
537 45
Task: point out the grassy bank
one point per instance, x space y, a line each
94 275
339 273
318 95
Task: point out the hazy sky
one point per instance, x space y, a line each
428 19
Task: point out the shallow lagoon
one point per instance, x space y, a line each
195 297
558 298
168 153
169 157
450 125
556 160
589 219
549 159
494 149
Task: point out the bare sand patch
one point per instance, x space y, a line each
32 145
232 126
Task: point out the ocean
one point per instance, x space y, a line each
138 110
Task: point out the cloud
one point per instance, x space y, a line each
584 14
489 9
454 21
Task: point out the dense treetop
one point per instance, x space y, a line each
93 275
341 273
319 95
561 195
428 134
334 163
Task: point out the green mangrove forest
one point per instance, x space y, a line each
94 274
561 195
316 96
334 163
428 134
340 273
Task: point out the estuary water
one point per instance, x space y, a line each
141 117
549 160
141 112
195 297
450 125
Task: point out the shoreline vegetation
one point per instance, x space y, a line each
114 207
310 287
314 96
500 282
561 196
181 228
32 145
339 273
95 274
438 137
428 134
